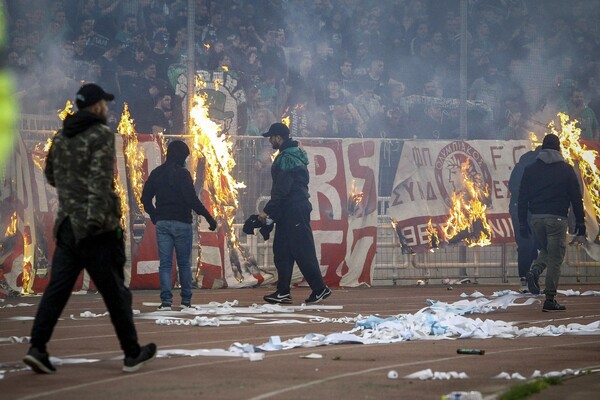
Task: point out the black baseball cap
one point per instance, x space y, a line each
551 141
89 94
278 129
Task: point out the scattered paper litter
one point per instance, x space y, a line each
17 305
65 361
476 294
232 352
15 339
313 356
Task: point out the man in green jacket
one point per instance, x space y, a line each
289 208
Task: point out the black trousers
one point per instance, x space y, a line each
294 242
103 256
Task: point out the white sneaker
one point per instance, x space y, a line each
523 288
164 307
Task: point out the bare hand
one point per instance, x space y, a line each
262 217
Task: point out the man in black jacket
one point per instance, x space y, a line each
290 209
547 189
172 185
527 247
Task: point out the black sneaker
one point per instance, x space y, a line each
39 362
147 353
164 307
552 306
533 281
188 307
317 297
278 298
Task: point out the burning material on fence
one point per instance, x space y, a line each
468 221
355 199
432 236
212 147
583 159
405 247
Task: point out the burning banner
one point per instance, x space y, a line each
446 191
212 149
468 220
585 161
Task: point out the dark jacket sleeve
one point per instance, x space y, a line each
49 168
523 200
575 197
148 194
514 182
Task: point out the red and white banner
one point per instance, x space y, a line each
344 222
430 171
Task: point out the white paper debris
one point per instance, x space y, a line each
437 375
16 305
15 339
65 361
312 356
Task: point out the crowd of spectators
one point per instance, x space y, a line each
339 68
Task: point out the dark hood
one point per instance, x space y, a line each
80 122
177 152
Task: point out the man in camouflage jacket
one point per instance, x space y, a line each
88 234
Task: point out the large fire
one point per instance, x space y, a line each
135 158
215 149
583 159
468 219
39 158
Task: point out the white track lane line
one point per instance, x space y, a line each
278 354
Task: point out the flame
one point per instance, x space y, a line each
27 275
432 235
207 46
286 121
224 67
11 229
535 142
133 155
41 149
354 199
578 155
163 143
215 148
120 192
467 219
68 110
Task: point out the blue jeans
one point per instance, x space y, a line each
178 236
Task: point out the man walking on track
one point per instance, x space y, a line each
549 186
80 165
289 208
